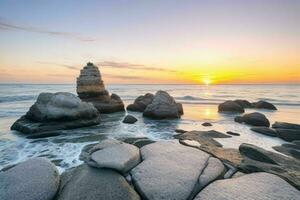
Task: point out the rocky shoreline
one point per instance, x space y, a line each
193 165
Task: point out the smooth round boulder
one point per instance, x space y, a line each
206 124
258 186
243 103
254 119
141 103
264 105
230 106
163 106
34 179
129 119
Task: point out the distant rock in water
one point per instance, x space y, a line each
206 124
264 105
90 88
163 106
243 103
129 119
141 103
57 111
254 119
230 106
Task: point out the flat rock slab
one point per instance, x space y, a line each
84 182
258 186
121 157
171 171
34 179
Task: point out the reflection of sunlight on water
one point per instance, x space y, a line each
202 112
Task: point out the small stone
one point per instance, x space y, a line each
233 133
129 119
206 124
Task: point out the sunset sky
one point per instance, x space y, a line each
173 42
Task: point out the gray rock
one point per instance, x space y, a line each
129 119
84 182
285 125
258 186
238 174
34 179
206 124
233 133
265 131
255 119
256 159
57 111
292 150
171 171
264 105
163 106
141 103
230 106
288 134
138 141
122 157
244 103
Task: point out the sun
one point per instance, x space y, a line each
206 81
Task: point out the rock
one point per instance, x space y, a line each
163 106
256 159
180 108
238 174
258 186
255 119
84 182
121 157
233 133
36 178
172 171
180 131
292 150
90 88
57 111
288 134
206 124
243 103
285 125
129 119
141 103
204 140
230 106
264 105
265 130
139 141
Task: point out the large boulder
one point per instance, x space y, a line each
57 111
34 179
230 106
172 171
122 157
141 103
292 150
243 103
90 88
129 119
255 119
264 105
287 131
163 106
258 186
84 182
256 159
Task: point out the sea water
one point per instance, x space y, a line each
199 102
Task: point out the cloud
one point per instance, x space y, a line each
4 25
126 65
61 65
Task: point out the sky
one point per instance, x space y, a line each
151 42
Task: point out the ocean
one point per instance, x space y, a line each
200 104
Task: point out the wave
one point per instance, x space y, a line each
17 98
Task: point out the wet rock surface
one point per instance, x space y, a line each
292 150
90 88
259 186
141 103
230 106
264 105
171 171
57 111
36 178
265 131
129 119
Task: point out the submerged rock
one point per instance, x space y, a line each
141 103
129 119
163 106
264 105
172 171
90 88
36 178
259 186
84 182
255 119
256 159
230 106
57 111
